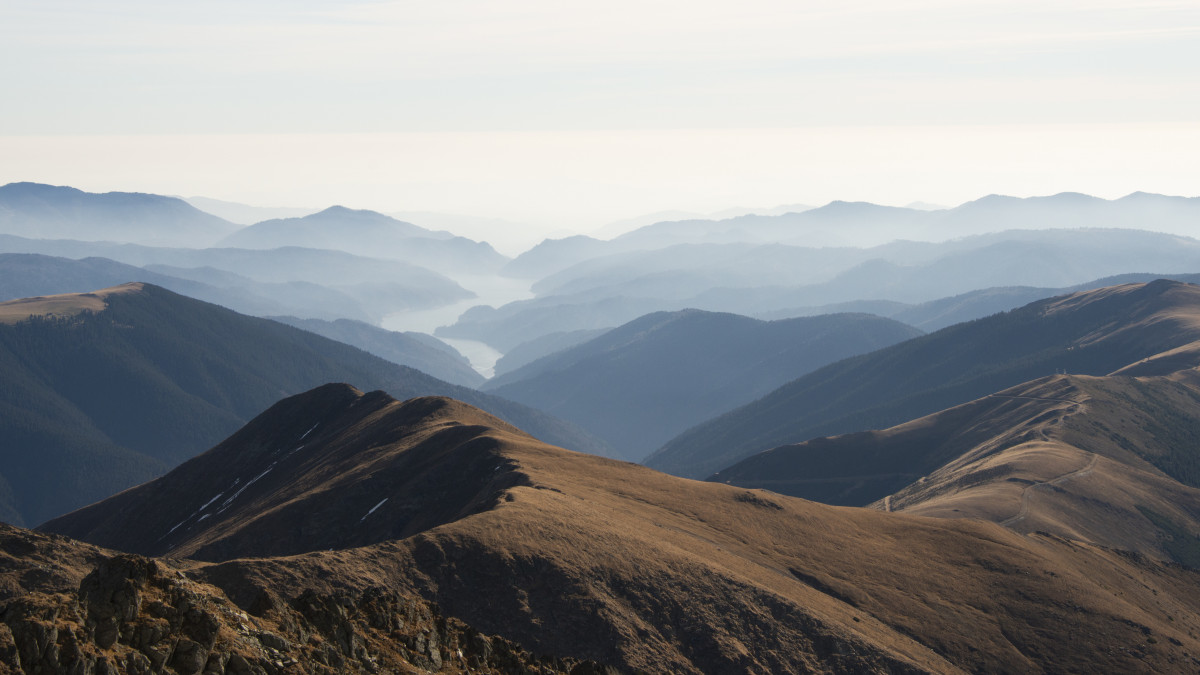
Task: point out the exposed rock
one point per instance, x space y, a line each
142 616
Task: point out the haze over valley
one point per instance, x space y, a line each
630 338
1015 373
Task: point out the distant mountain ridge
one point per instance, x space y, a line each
26 274
42 211
1075 333
370 234
369 288
757 279
639 384
415 350
863 224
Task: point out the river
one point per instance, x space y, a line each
491 290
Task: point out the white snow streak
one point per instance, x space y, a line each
206 504
373 509
226 503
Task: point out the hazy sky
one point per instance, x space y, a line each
573 114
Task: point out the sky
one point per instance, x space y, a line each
566 115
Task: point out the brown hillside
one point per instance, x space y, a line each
67 304
581 556
1110 460
332 468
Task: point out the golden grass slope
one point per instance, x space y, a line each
64 305
580 556
1110 460
621 564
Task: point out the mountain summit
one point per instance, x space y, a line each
371 234
330 468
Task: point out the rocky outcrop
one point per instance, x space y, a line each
139 615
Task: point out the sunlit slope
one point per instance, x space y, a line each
1111 460
578 555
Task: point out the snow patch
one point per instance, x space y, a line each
225 504
172 529
208 503
373 509
309 432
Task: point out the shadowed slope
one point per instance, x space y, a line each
1091 332
415 350
96 402
642 383
578 555
331 468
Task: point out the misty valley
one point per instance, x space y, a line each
845 438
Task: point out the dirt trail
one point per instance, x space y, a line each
1037 398
1078 473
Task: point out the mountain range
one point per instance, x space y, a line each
28 274
24 275
365 287
866 225
1088 333
34 210
581 557
642 383
763 279
105 390
373 235
415 350
1017 490
1108 460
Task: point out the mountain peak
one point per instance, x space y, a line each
346 212
31 188
330 468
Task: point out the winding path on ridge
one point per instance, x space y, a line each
1078 473
1037 398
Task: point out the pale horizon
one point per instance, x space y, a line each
555 183
564 118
